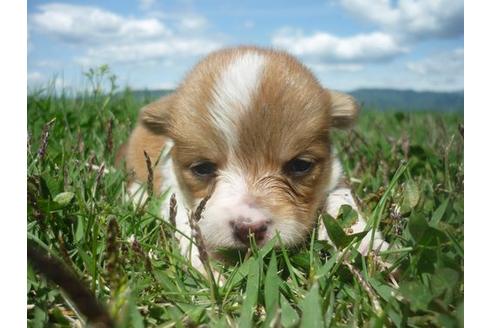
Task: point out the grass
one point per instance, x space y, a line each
406 169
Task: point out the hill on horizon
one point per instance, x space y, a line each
409 100
375 99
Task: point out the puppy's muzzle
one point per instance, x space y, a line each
244 227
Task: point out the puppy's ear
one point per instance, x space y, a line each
156 116
344 109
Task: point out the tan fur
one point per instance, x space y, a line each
142 139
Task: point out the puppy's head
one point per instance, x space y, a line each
252 127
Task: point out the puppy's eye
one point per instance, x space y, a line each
298 167
204 169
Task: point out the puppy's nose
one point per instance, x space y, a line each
242 228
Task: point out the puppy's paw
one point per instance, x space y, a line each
378 245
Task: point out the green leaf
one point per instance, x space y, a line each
443 279
132 317
240 274
311 309
267 248
439 213
64 198
411 195
49 206
289 316
40 318
272 290
417 226
418 151
58 317
347 216
52 183
79 232
382 289
460 314
417 294
252 287
336 233
272 284
242 271
326 267
165 282
89 263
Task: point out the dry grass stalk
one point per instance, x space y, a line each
200 244
100 174
173 210
66 183
382 265
33 187
90 162
113 253
109 137
28 142
405 145
150 175
378 310
56 272
80 143
44 139
137 249
63 249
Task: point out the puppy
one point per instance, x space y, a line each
251 127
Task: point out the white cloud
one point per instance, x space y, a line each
92 25
47 63
165 85
327 48
249 24
193 23
413 19
321 68
146 51
447 65
37 80
111 38
146 4
34 77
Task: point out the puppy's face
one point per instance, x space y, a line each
252 127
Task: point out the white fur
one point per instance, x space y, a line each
234 90
336 172
231 200
339 196
137 193
171 185
291 231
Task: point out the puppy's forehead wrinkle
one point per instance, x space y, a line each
234 90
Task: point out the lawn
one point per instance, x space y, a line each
406 168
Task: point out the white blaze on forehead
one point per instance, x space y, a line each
234 90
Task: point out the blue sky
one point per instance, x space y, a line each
348 44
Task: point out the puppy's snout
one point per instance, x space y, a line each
243 228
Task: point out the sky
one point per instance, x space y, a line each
152 44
